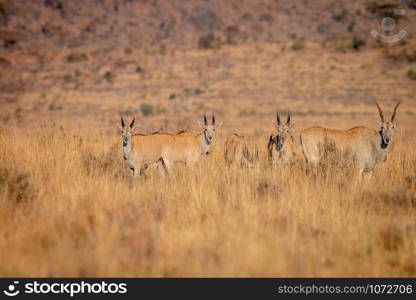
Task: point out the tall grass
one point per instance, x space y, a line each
81 214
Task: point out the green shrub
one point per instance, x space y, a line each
344 42
147 109
69 78
76 57
297 46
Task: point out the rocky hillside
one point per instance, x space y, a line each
154 58
191 24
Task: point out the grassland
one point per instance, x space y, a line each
69 207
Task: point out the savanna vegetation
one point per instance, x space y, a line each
69 205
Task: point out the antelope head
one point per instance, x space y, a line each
127 132
209 129
283 131
387 128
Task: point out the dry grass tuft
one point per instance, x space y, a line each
16 186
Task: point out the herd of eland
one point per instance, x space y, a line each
359 147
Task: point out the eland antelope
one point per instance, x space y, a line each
238 150
281 146
359 146
140 151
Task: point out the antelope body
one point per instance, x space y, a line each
140 150
281 146
238 150
360 147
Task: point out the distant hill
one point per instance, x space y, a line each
191 23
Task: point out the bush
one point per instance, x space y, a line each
109 77
381 6
139 69
16 186
4 62
231 33
391 238
357 42
410 53
344 42
7 8
110 163
411 182
69 78
297 46
247 112
406 54
411 74
76 57
266 18
340 16
147 109
209 41
163 50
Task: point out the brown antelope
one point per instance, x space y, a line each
281 146
238 150
140 150
359 146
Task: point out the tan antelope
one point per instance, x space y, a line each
140 150
281 146
238 150
359 146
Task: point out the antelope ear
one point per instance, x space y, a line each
201 124
291 125
218 125
275 124
133 123
121 125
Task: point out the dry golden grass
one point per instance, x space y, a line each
68 205
79 213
